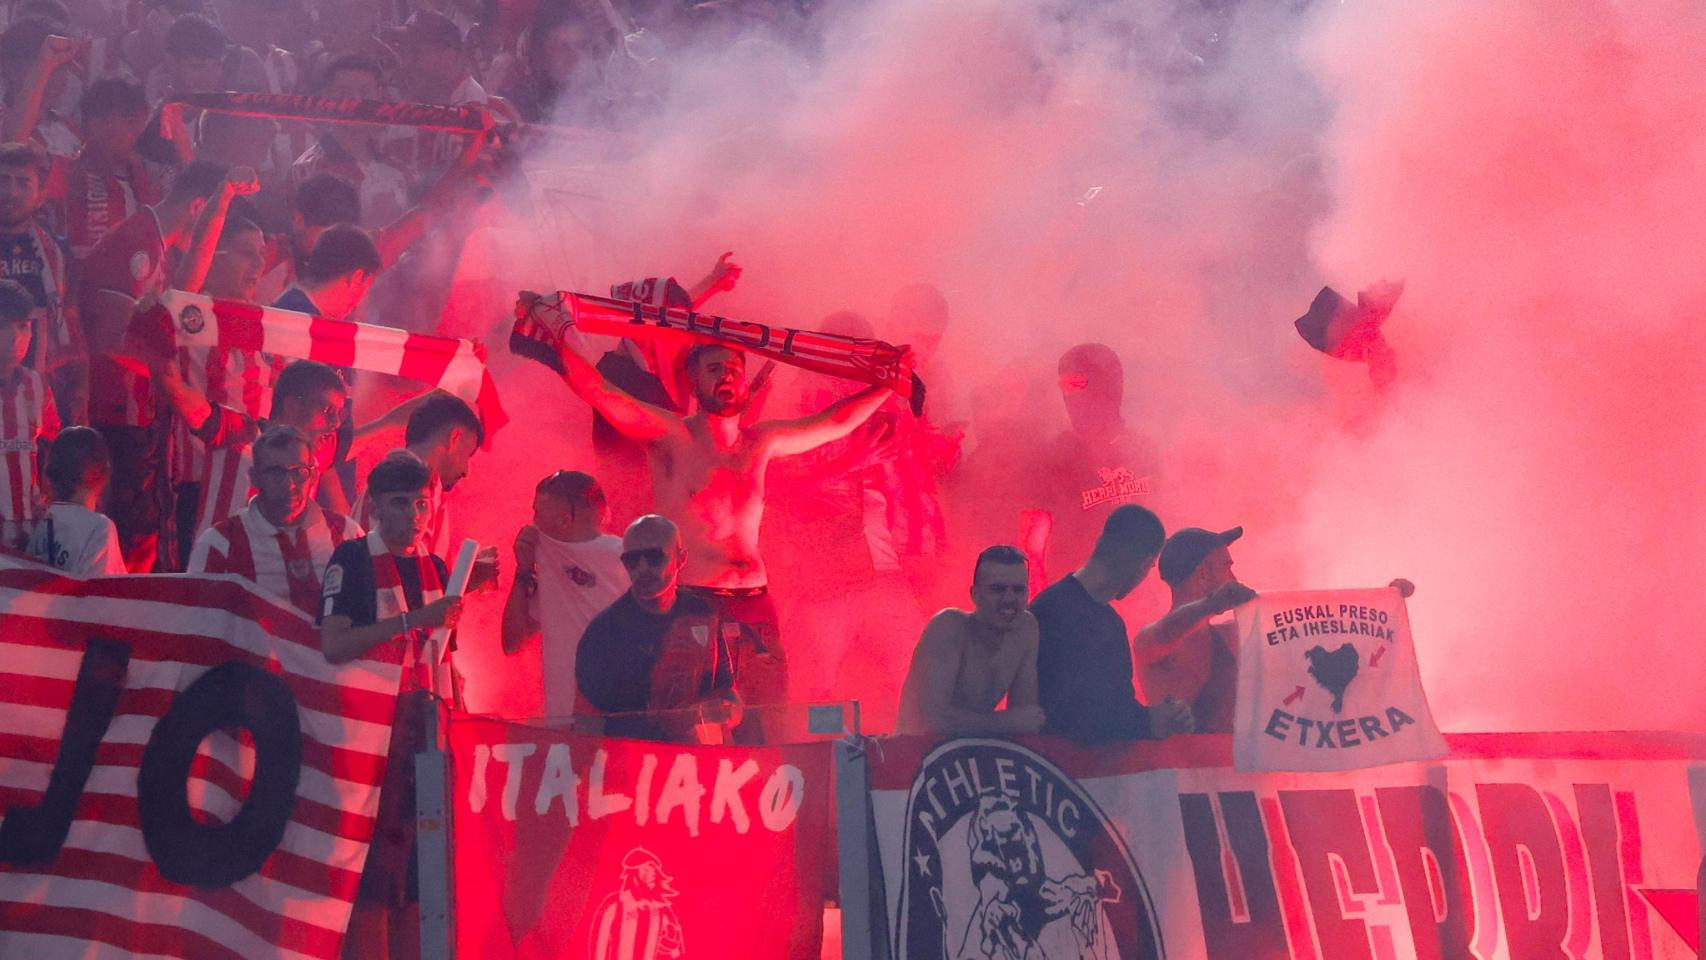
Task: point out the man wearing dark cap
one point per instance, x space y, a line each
1084 671
1097 465
1183 655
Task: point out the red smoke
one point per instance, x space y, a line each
1177 185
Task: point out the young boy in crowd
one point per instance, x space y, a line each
73 536
383 593
28 419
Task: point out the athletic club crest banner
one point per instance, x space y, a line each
1327 680
1512 847
570 846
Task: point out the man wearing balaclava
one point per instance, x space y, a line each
1083 474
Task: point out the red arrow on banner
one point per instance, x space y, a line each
1680 908
1374 661
1296 695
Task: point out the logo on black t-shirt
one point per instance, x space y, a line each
1006 856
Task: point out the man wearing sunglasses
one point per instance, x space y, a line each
657 649
282 540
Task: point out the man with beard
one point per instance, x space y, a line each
656 649
1097 465
282 540
709 470
967 663
637 920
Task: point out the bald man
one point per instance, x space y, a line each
657 650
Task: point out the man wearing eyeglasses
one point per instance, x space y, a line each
282 540
657 650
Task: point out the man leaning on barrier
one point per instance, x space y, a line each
1084 672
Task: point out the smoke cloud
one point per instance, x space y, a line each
1176 181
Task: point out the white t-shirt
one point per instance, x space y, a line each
77 540
576 582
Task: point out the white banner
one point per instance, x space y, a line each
1514 847
1327 680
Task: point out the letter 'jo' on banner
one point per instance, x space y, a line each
569 845
1327 680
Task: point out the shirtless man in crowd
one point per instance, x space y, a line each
708 471
966 663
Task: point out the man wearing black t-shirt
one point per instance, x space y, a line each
382 597
656 649
1084 671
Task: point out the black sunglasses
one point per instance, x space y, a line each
652 555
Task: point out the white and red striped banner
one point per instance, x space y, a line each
107 688
450 364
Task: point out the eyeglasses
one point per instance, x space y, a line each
294 474
652 555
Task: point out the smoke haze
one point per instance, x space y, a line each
1177 181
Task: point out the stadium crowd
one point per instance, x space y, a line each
641 582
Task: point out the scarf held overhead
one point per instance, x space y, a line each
299 106
188 320
542 319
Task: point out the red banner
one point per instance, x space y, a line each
579 846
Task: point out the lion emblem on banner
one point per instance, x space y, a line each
1009 859
1022 913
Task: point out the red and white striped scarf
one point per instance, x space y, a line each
288 563
392 602
194 320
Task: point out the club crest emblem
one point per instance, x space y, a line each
637 922
191 319
1007 858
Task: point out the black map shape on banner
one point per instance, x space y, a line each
1333 670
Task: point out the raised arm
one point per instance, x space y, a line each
519 626
19 123
788 437
1159 640
935 667
204 238
634 418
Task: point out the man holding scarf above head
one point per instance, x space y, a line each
709 470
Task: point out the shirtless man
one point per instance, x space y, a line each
708 473
967 662
1183 655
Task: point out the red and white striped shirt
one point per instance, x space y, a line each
240 379
435 536
27 417
286 562
98 201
